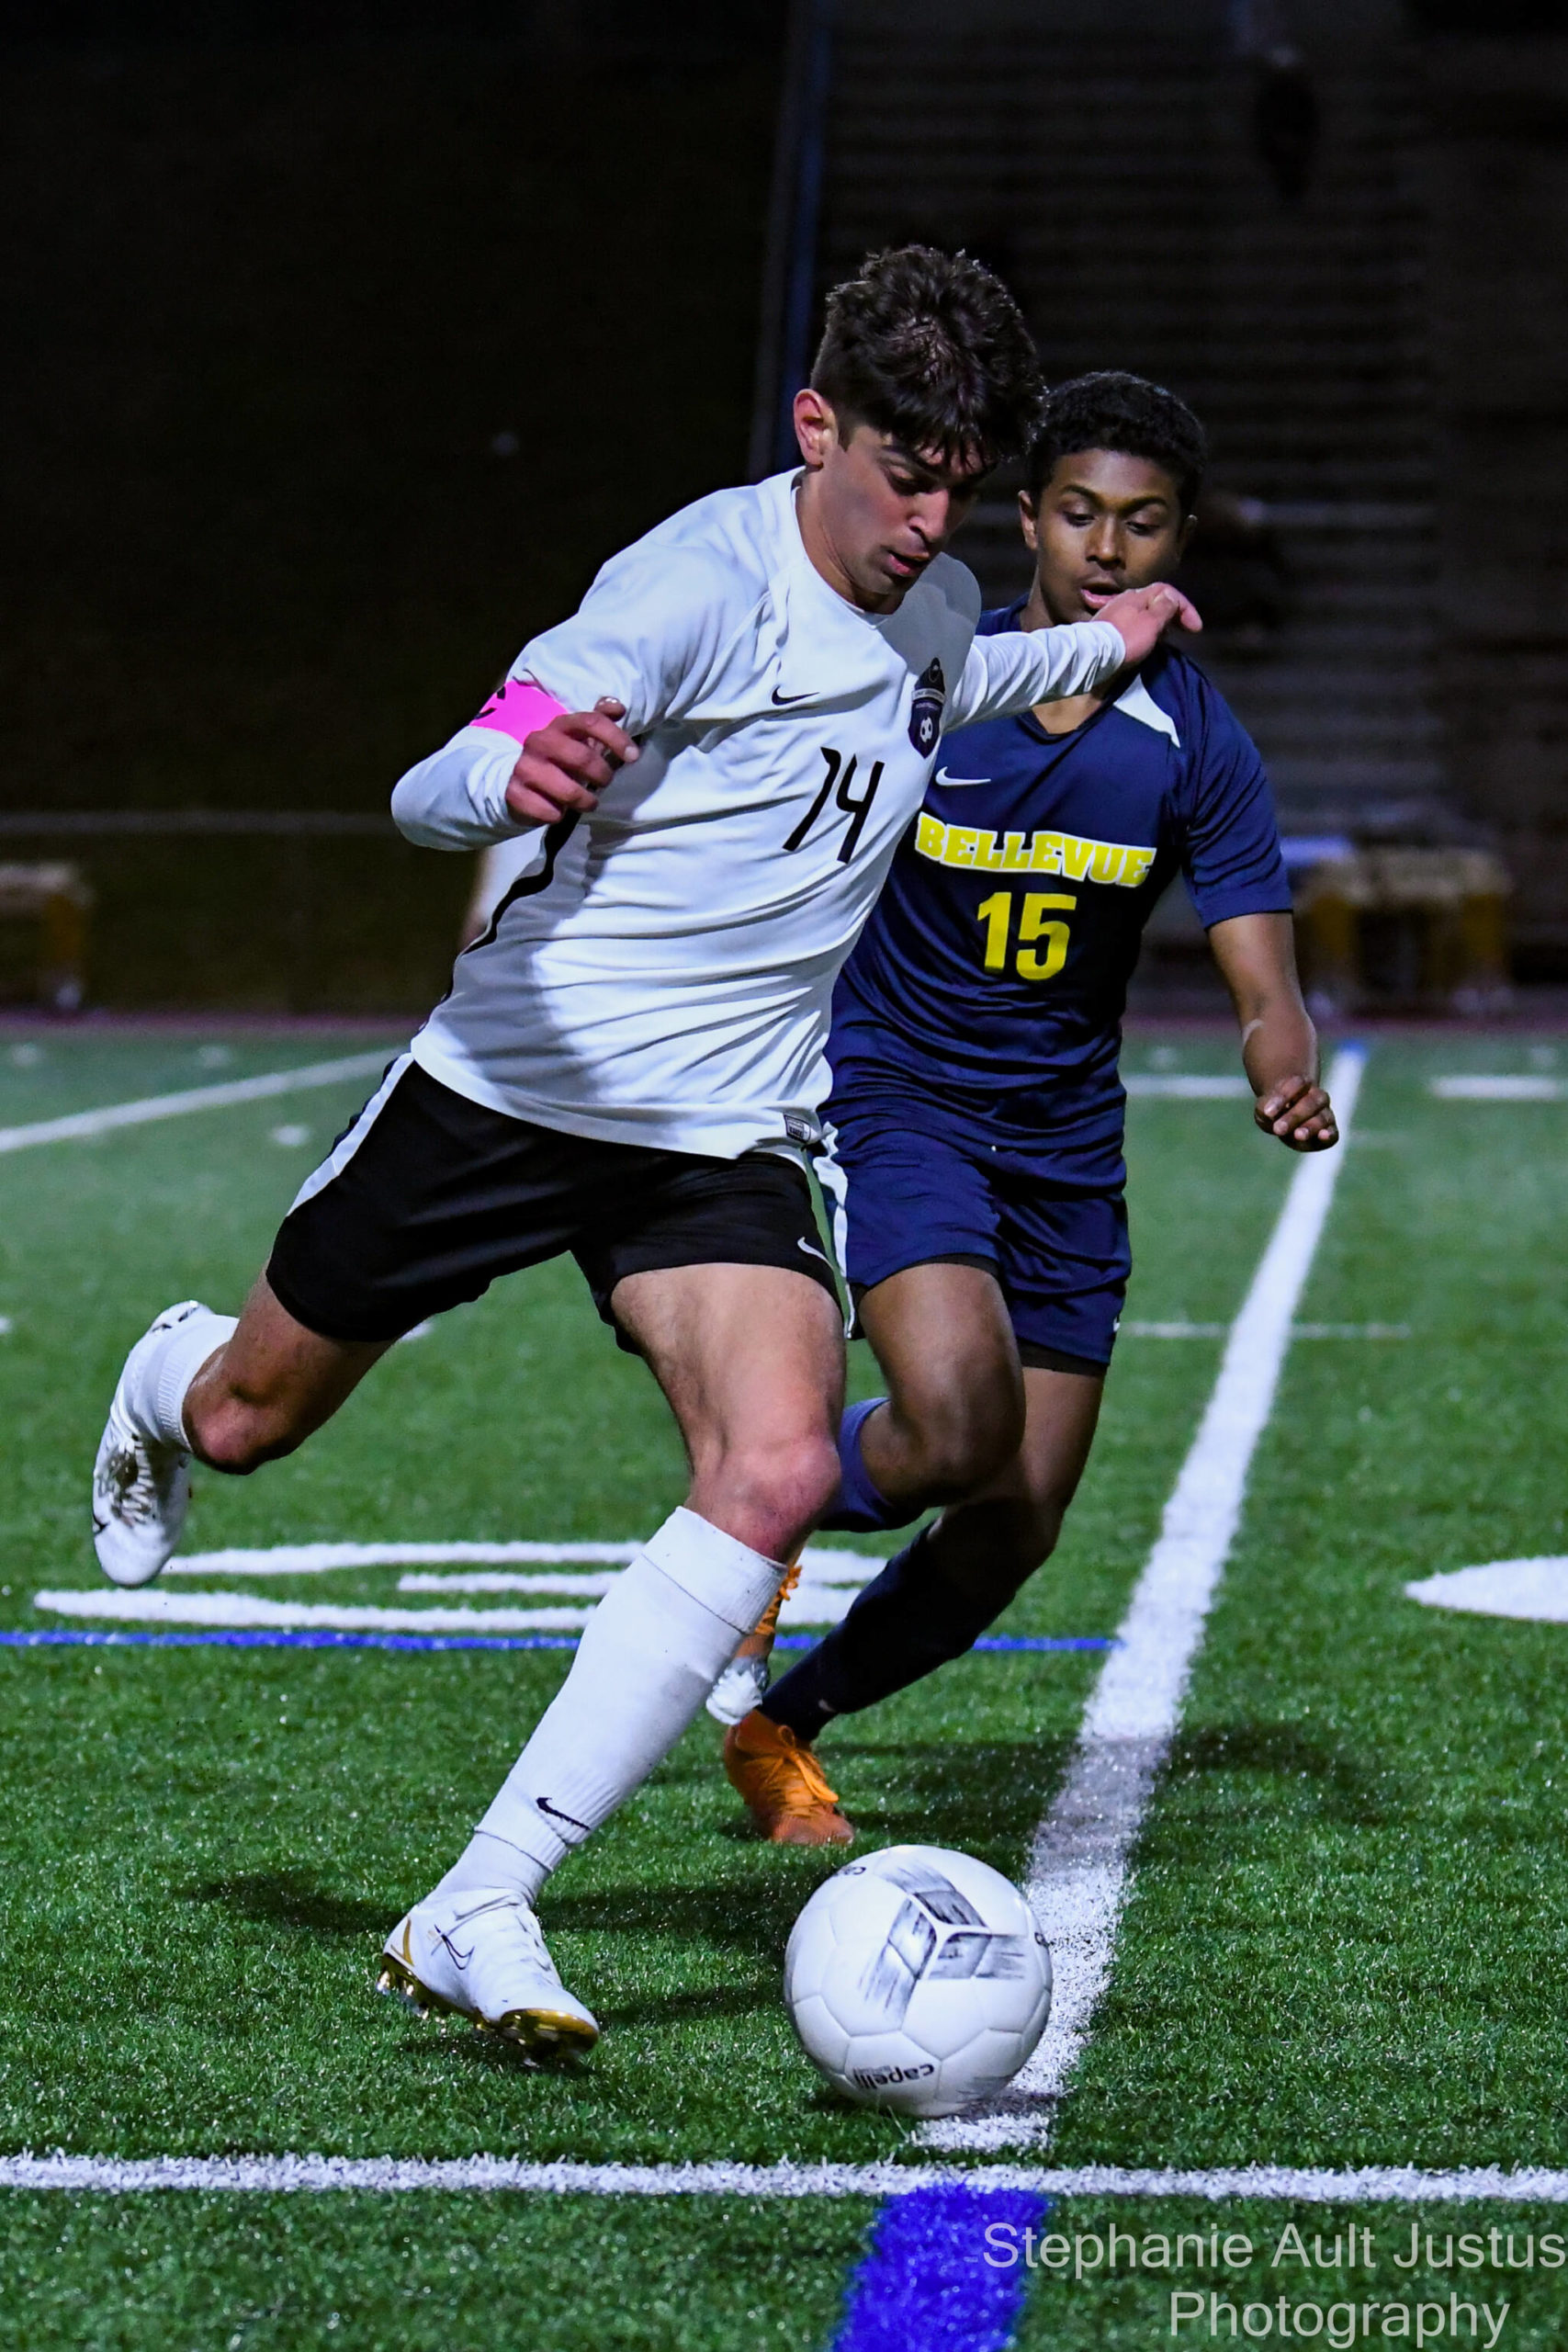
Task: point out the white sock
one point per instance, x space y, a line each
155 1387
670 1624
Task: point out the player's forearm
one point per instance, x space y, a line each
457 798
1256 955
1277 1041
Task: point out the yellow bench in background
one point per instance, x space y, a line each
58 899
1420 929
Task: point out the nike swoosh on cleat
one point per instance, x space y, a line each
782 702
942 777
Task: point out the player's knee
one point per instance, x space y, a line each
779 1491
963 1442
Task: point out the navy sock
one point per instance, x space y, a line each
903 1625
861 1507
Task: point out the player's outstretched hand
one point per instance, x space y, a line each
566 766
1299 1113
1141 617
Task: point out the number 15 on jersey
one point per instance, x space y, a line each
1037 922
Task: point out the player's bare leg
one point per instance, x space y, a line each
751 1360
936 1328
234 1395
990 1544
954 1412
965 1424
270 1386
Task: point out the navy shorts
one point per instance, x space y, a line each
904 1196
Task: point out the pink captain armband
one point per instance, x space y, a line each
519 710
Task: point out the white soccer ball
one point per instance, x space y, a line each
917 1980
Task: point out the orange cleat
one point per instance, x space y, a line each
785 1788
760 1641
746 1678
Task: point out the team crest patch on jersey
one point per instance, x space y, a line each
925 710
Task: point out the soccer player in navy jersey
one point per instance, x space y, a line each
976 1111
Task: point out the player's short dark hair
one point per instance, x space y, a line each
1112 410
931 348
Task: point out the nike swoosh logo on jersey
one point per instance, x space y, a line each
781 701
942 777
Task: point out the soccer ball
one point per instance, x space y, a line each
917 1980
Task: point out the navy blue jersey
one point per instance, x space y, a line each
990 980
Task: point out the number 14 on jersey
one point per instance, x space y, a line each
1037 922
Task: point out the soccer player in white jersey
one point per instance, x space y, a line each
716 758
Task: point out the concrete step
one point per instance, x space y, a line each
1163 213
1332 734
1372 649
1302 335
1294 777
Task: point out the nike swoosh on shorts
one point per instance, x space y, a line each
811 1252
781 700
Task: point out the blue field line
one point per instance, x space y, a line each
987 1642
945 2272
54 1637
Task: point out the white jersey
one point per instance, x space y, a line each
662 974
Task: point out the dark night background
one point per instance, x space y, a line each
274 293
341 342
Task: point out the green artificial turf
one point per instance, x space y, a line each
1342 1941
1345 1945
422 2273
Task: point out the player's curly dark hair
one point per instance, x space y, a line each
931 348
1112 410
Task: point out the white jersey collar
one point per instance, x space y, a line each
1138 702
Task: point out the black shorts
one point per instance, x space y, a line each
428 1197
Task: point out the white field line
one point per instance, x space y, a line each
1135 1330
1350 1332
529 1580
380 2175
1189 1089
808 1604
1080 1866
321 1559
813 1602
195 1098
1130 1330
1499 1090
592 1583
826 1563
244 1609
1535 1590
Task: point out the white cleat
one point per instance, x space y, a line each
480 1954
141 1485
742 1686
